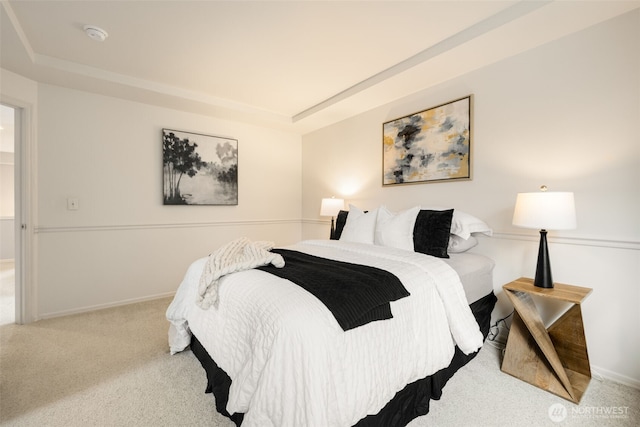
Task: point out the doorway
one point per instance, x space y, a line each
9 255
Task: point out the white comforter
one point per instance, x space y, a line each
290 362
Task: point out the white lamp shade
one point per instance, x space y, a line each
545 210
331 207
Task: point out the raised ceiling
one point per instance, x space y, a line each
294 65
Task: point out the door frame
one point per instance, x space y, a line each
24 197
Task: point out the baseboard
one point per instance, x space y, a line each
601 373
103 306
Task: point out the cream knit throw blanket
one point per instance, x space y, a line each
240 254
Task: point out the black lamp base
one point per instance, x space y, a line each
543 270
332 235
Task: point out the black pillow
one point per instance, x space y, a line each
341 220
431 232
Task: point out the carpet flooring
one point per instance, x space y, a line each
112 368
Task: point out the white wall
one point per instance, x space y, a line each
122 244
7 221
6 184
565 115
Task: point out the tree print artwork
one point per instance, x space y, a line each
199 169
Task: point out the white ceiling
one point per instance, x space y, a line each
295 65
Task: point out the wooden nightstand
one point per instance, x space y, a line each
554 359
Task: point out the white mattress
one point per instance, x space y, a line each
476 273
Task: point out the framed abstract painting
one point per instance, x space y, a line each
199 169
433 145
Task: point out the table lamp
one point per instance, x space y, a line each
545 210
331 207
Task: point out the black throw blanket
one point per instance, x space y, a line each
355 294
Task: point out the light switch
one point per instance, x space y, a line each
72 204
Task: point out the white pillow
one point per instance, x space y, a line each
463 224
396 230
458 245
467 224
360 227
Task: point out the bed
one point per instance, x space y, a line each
277 355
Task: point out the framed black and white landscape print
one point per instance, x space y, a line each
199 169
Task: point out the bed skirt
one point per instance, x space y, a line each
409 403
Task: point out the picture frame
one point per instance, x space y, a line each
433 145
199 169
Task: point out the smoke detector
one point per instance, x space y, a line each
95 33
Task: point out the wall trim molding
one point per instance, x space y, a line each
600 373
580 241
125 227
90 308
316 221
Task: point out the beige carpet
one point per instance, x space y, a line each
112 368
